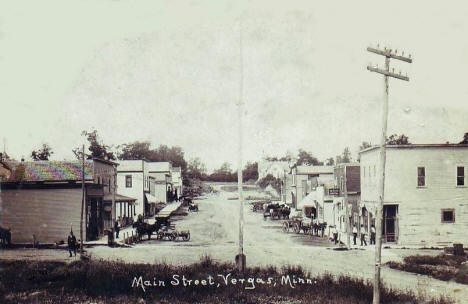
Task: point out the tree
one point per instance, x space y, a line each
42 154
346 156
97 148
465 139
250 172
135 150
306 158
330 161
365 145
196 169
394 139
272 181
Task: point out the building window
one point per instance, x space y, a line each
460 176
421 176
448 216
374 170
128 181
364 171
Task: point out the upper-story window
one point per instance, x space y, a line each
374 170
364 173
460 176
421 176
128 181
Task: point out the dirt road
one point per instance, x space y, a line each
214 232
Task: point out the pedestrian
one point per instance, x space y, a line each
372 235
354 234
71 243
363 236
335 234
117 228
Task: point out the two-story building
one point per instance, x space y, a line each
133 180
347 186
41 201
426 194
303 179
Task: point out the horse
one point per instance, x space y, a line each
143 228
5 237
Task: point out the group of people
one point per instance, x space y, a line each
362 232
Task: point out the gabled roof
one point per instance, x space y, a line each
39 171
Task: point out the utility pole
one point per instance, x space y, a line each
83 199
240 257
348 224
387 53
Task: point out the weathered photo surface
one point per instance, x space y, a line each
233 152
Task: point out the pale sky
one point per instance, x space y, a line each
168 72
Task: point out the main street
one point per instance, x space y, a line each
214 233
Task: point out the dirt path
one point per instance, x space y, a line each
214 232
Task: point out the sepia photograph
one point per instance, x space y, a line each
221 151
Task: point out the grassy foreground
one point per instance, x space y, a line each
444 267
111 282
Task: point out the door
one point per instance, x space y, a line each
390 223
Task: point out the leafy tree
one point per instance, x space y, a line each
465 139
223 174
97 148
346 156
270 180
250 171
42 154
394 139
196 169
306 158
135 150
330 161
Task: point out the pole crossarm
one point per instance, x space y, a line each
387 73
388 53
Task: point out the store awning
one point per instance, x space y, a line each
151 199
118 198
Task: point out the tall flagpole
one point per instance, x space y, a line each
240 258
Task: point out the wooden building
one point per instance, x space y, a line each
426 193
41 201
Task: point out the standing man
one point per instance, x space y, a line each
335 234
71 243
117 228
363 236
354 234
372 235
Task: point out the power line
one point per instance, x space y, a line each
388 54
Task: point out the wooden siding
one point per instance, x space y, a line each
419 208
47 213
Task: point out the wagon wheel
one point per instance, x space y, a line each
173 236
286 227
186 237
297 228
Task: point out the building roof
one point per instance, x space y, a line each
419 146
347 165
314 169
39 171
159 166
130 165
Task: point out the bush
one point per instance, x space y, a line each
111 282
